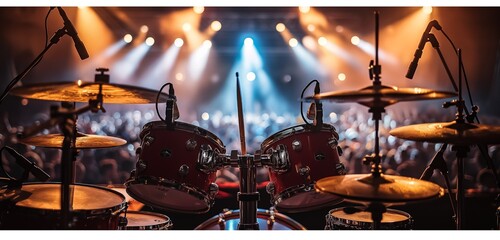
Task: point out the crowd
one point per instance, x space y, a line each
353 124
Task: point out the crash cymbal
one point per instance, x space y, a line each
83 91
386 188
381 95
83 141
450 132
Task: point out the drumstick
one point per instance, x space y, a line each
241 123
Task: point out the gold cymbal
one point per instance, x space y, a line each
381 95
450 132
83 91
385 189
83 141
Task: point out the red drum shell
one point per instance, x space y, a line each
166 174
317 152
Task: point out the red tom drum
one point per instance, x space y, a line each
167 174
313 154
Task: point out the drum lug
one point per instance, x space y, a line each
213 189
271 220
148 140
340 151
184 170
304 171
296 145
340 167
141 165
270 188
191 144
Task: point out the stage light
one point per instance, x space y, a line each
198 9
216 26
205 116
304 9
311 27
339 29
280 27
248 41
427 10
144 29
309 43
179 76
322 41
355 40
150 41
341 77
178 42
293 42
251 76
127 38
207 43
186 27
79 82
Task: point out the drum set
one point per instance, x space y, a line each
177 162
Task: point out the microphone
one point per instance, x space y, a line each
418 53
71 31
28 165
319 109
436 163
172 112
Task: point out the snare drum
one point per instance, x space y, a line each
167 175
392 219
267 220
38 206
313 154
146 221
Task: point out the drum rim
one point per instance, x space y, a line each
184 127
294 190
120 207
172 184
260 211
303 128
367 225
163 226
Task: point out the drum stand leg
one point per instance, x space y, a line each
461 154
377 209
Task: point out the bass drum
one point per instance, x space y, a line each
146 221
338 219
313 155
38 206
167 174
267 219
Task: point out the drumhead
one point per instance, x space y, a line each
232 219
292 131
147 220
47 196
391 220
168 198
306 201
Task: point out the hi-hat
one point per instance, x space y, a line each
381 95
83 91
450 132
83 141
385 189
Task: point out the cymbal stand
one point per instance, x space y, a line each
67 116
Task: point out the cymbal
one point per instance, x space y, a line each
83 91
386 188
83 141
381 95
450 132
